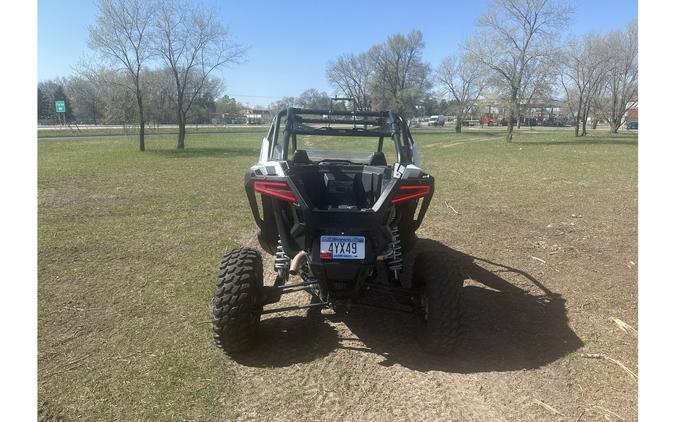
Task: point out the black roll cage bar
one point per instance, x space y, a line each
383 124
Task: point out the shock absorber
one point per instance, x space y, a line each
395 261
281 264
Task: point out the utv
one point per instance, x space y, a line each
344 220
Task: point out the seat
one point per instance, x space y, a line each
377 159
300 157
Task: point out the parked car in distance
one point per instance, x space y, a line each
632 126
436 121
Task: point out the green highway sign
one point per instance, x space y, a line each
60 106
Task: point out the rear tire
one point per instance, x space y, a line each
235 304
442 286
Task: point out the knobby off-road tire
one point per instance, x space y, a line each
438 276
235 304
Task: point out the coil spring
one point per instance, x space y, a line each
281 261
395 262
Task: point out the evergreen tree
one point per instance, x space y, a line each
42 104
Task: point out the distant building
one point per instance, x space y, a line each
632 112
256 116
226 118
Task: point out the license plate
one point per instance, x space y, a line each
343 247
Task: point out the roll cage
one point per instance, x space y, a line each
374 124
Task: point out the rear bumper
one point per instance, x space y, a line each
300 227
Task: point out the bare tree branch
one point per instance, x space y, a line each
516 33
352 75
465 81
193 45
121 37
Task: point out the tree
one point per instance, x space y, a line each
581 67
351 75
86 95
42 104
120 104
463 79
230 108
229 105
53 90
313 99
193 44
121 37
621 82
283 103
429 105
160 96
514 33
536 86
400 78
205 102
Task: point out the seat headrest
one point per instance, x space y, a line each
300 157
378 159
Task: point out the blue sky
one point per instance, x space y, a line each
290 43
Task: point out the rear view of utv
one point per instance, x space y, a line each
343 220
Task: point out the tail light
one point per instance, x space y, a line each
408 192
279 190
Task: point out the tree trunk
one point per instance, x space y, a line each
518 124
141 134
509 128
594 124
513 111
577 119
587 112
583 126
181 131
458 124
141 122
613 126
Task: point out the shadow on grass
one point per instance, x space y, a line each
287 340
204 152
628 142
507 328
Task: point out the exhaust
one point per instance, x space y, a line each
297 261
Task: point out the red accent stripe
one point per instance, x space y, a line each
279 190
415 191
281 184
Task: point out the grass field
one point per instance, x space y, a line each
127 255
